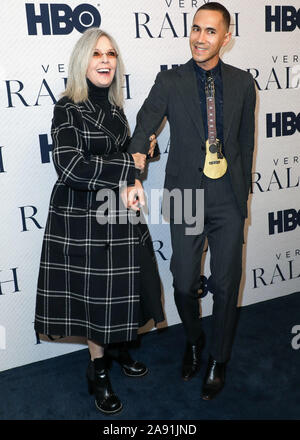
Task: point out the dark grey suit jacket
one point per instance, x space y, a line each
175 95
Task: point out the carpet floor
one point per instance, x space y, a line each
262 380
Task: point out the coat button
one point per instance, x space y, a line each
200 169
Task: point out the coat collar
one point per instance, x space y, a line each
96 115
92 113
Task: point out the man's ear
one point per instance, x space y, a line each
227 38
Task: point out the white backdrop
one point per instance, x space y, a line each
36 42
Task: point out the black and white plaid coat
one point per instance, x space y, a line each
89 278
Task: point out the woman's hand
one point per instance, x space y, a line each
139 160
133 197
153 142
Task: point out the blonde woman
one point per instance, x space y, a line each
91 280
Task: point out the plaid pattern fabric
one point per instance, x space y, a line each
88 282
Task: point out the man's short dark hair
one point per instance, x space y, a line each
215 6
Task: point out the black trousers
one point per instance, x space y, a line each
223 227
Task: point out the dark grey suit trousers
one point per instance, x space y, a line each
223 227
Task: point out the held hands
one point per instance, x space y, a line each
140 159
133 196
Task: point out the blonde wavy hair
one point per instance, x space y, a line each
77 88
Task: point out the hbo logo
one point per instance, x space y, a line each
283 124
285 18
59 19
285 221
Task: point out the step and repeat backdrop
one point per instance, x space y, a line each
36 42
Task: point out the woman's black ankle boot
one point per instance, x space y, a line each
130 367
99 385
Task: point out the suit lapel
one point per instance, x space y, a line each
228 100
188 89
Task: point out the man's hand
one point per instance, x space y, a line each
140 158
133 196
153 142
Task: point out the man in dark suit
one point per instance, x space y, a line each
182 95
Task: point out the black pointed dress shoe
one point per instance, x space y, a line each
214 379
192 358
